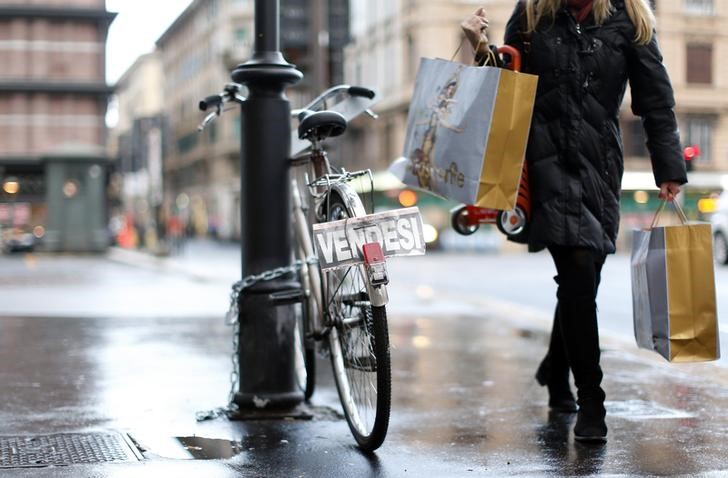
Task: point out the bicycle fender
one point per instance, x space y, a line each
378 295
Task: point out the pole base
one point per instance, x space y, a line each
267 353
268 401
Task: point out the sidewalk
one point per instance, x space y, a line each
202 259
464 404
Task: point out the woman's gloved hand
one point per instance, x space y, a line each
668 190
474 27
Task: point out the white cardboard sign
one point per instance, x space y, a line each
339 243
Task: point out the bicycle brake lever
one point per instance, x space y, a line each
208 119
371 113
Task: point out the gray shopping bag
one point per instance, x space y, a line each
467 130
673 291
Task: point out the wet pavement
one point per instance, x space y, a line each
464 400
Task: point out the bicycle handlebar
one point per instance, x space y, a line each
229 93
211 101
333 91
231 90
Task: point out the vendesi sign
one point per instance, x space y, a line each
339 243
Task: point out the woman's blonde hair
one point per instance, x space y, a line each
638 10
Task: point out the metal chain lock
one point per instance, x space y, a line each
232 316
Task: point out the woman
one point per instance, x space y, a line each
585 52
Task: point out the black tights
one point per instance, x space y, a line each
575 338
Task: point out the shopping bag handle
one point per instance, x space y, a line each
515 63
678 209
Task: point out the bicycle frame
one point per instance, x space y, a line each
318 192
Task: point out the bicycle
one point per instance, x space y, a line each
343 310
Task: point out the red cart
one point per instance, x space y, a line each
466 219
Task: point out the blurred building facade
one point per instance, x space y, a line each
390 36
200 169
198 52
136 142
53 94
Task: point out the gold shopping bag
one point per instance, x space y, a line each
673 291
506 148
467 131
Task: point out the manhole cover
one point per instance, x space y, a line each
65 449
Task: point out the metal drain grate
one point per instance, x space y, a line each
64 449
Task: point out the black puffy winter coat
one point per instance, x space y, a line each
574 152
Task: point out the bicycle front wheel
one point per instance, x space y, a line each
359 343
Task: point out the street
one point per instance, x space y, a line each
133 344
196 284
519 285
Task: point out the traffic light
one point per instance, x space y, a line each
690 153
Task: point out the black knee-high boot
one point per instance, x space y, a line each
579 330
579 272
554 371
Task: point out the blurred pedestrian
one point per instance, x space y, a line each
175 233
584 53
127 237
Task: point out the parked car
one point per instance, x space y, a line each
719 220
17 239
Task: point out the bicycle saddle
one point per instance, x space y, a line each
319 125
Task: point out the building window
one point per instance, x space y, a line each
212 133
212 10
237 132
413 57
699 7
699 64
633 138
187 142
699 132
241 36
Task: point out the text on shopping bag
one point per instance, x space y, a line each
399 232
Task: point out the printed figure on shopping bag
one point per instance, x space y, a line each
441 110
439 115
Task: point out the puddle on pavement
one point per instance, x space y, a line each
209 448
191 448
642 410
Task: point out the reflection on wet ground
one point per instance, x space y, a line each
209 448
465 404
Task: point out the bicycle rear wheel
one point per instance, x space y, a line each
305 356
359 344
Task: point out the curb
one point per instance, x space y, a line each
147 261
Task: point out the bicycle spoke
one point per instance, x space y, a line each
341 283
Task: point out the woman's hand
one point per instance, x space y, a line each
474 28
668 190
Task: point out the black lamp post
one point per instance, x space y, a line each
266 353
